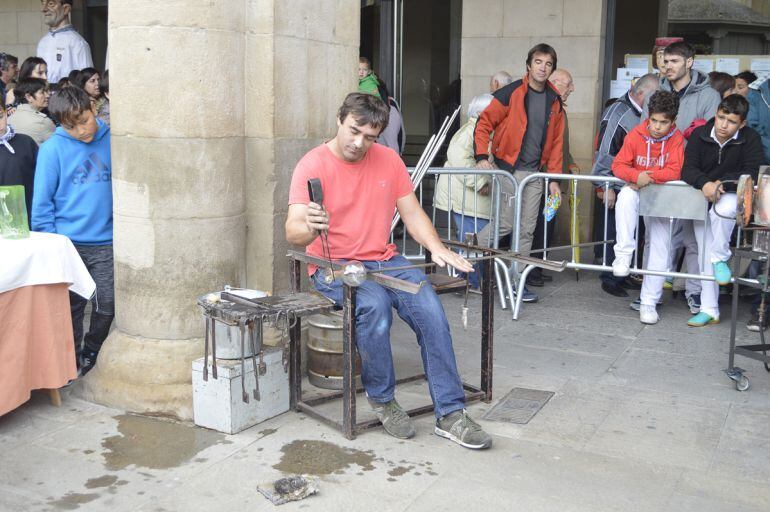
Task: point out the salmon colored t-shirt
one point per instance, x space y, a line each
359 197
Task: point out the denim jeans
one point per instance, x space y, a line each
423 312
466 224
99 262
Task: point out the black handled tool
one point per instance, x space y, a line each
316 193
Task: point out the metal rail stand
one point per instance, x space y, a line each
348 424
759 351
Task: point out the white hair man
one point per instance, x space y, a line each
498 80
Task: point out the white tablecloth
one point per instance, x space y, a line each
43 258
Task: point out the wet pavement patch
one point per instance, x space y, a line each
321 458
102 481
72 501
400 470
267 432
151 443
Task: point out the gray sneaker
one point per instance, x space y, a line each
394 419
460 428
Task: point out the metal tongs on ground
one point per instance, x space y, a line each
316 194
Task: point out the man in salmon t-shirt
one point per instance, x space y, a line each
363 183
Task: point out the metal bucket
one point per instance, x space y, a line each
228 337
324 351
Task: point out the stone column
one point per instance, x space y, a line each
213 104
178 182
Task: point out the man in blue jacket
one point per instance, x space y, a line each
759 115
73 197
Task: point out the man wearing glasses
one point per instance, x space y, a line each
62 48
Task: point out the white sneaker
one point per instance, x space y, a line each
621 267
648 314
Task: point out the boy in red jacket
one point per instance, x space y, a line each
652 153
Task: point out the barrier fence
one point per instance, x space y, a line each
672 200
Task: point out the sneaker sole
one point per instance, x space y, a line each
754 328
710 322
443 433
648 322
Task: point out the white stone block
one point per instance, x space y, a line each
218 403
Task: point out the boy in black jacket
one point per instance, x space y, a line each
721 150
18 156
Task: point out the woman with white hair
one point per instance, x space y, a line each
470 201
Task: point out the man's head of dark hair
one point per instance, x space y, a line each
664 102
365 109
6 59
721 82
68 104
747 76
680 48
543 48
29 86
735 104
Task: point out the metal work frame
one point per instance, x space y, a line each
348 424
735 373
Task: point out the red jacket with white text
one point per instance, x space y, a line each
640 152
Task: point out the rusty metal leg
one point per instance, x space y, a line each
487 329
295 348
349 359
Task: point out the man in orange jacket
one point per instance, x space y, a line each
527 119
653 152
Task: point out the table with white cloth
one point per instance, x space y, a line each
36 341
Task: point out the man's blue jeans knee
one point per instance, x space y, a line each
423 312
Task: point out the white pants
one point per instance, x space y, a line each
715 243
658 258
626 218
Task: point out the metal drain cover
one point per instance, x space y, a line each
519 406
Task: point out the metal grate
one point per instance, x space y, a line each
519 406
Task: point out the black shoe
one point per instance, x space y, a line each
535 279
614 289
630 284
87 361
754 324
546 277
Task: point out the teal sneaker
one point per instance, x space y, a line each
460 428
722 274
702 319
394 419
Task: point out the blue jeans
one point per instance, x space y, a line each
468 224
424 314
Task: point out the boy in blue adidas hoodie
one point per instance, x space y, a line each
73 197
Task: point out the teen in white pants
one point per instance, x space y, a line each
717 248
657 257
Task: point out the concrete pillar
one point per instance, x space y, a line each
212 105
301 61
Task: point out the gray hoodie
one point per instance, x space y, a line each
700 101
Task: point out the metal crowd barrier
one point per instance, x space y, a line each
675 200
467 207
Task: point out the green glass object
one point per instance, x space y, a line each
13 213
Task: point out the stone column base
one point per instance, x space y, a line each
143 375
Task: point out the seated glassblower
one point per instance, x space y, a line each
363 183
